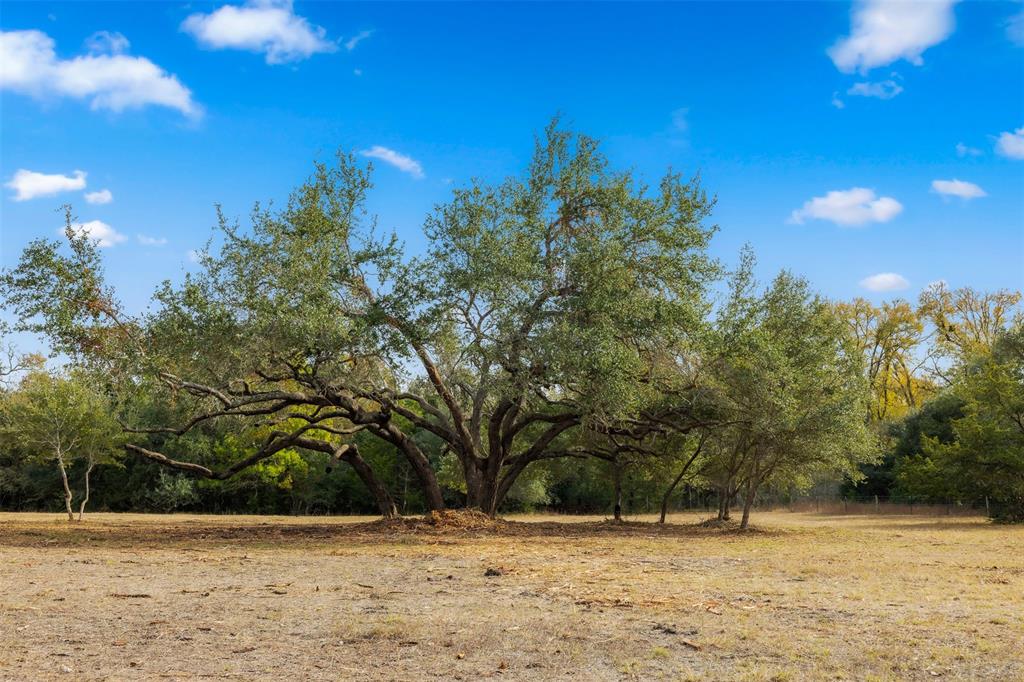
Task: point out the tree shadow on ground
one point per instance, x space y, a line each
453 525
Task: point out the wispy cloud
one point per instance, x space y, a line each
1015 28
886 89
850 207
151 241
352 42
101 197
404 163
963 150
958 188
107 42
885 281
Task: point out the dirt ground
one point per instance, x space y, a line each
801 597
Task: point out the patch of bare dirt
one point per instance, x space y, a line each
291 531
460 597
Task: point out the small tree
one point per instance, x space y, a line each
788 376
65 420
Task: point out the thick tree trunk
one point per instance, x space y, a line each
85 500
502 485
490 484
380 493
481 484
67 487
474 486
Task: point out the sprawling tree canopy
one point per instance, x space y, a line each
560 302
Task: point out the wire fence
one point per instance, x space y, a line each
836 505
879 505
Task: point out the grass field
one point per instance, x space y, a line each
800 597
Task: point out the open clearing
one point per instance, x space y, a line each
801 597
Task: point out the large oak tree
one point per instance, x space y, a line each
551 314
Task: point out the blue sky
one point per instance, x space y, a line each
873 147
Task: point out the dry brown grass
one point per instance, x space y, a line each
802 597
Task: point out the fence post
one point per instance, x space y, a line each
876 504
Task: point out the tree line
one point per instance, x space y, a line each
565 338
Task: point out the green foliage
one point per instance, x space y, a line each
934 420
51 417
559 326
986 457
789 386
172 492
61 420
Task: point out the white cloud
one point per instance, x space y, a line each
194 256
267 26
29 65
854 206
357 72
836 102
101 197
958 188
883 31
351 43
886 89
29 184
885 281
104 235
1011 145
963 150
404 163
151 241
